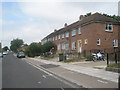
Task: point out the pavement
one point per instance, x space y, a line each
77 70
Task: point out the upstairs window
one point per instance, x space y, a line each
73 32
67 34
79 30
109 27
98 42
115 43
73 45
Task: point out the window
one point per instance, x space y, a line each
58 47
50 39
67 34
109 27
115 43
86 41
63 35
66 46
58 36
73 32
53 38
73 45
98 42
63 45
79 30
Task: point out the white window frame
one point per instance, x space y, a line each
86 41
58 36
73 33
98 42
53 39
107 27
67 34
63 46
63 35
74 45
58 46
67 46
79 30
115 43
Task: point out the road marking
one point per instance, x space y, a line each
43 76
102 81
49 74
39 82
62 88
40 69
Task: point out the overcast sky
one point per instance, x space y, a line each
32 21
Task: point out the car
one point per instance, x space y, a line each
5 53
21 55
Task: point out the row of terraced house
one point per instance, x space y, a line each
94 32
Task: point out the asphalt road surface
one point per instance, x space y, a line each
0 73
19 74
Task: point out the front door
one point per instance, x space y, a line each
79 46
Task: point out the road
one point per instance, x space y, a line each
0 73
19 74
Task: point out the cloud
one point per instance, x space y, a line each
32 21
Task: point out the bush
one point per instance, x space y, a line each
89 57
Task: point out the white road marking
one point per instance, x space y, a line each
62 88
39 82
41 69
43 76
102 81
49 74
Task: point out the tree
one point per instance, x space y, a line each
16 44
49 46
88 14
34 49
5 48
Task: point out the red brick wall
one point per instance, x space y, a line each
92 32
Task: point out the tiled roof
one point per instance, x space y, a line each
93 18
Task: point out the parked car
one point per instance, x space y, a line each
5 53
21 55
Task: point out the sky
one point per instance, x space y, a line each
32 21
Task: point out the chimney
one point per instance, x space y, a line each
55 30
81 17
65 25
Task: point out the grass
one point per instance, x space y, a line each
114 65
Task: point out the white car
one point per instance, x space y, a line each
5 53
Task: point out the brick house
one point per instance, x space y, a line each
88 33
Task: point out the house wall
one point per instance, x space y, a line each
91 32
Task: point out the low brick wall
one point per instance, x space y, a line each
117 70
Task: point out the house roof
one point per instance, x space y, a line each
96 17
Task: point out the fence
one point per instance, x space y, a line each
112 55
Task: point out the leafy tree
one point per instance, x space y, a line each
88 14
5 48
34 49
49 46
16 44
